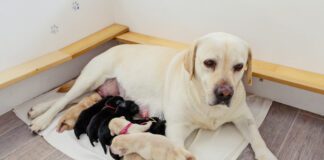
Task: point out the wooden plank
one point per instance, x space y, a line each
289 76
274 128
57 155
17 141
32 67
14 139
9 121
37 148
131 37
50 60
92 41
298 78
305 139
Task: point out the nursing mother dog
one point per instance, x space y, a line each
196 88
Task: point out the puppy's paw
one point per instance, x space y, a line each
65 123
39 109
182 153
40 123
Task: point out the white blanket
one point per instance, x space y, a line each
224 144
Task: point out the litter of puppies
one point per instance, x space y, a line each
113 116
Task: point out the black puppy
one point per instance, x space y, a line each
104 135
86 115
158 126
105 138
114 108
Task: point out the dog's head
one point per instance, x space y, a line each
217 62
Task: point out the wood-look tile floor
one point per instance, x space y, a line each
290 133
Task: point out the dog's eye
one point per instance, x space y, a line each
238 67
209 63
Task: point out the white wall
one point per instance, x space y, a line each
285 32
35 27
288 32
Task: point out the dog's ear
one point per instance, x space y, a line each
189 60
249 68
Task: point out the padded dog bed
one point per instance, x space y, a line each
226 143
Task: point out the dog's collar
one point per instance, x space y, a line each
125 129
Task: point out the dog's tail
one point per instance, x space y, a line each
66 87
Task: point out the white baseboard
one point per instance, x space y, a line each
291 96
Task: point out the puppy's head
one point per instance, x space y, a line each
119 145
158 126
114 100
128 108
217 62
116 125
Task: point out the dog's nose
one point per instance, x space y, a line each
224 93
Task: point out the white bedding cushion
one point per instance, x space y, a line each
224 144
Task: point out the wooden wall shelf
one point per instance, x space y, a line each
50 60
306 80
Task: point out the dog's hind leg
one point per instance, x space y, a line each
84 83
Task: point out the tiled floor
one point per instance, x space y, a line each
290 133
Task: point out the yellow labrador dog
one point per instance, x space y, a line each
197 88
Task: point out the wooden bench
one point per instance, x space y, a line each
298 78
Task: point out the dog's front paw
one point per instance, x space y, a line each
39 109
40 123
267 156
32 113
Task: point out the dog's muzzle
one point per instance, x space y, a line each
223 94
